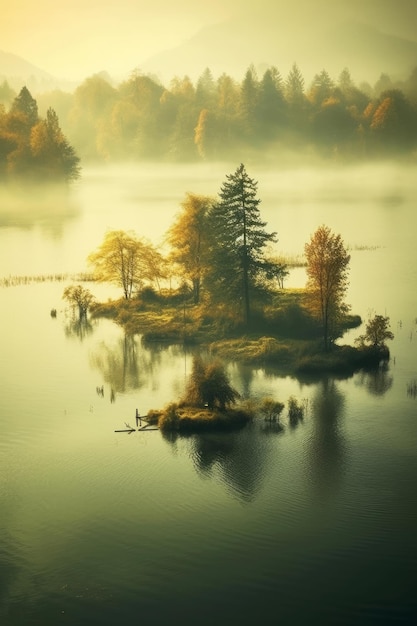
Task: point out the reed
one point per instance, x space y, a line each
16 281
412 388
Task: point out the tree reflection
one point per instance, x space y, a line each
376 381
242 377
327 445
118 364
238 459
79 328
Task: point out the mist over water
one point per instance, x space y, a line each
146 197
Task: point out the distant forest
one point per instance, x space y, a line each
213 119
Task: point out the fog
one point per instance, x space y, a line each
369 205
74 39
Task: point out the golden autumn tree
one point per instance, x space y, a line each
187 237
124 260
327 271
54 158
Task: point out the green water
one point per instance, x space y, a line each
314 525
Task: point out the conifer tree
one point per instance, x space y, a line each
236 264
26 104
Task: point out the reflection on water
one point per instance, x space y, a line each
377 381
50 208
101 528
79 327
239 460
327 446
119 364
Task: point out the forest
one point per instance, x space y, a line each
262 116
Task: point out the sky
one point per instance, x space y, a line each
69 38
72 39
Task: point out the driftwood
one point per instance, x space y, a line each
139 420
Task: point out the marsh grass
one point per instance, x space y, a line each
187 419
412 388
282 334
14 281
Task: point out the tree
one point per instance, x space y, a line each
206 134
327 268
236 261
227 128
7 94
141 99
271 409
122 259
92 103
376 332
393 121
209 385
54 157
188 239
294 87
78 296
182 132
24 103
321 88
248 103
205 92
271 104
332 125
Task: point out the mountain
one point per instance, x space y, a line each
18 72
232 46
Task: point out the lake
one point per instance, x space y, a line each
313 525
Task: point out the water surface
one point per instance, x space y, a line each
313 525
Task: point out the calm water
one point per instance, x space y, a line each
315 525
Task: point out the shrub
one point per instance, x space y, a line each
210 385
271 409
169 419
295 409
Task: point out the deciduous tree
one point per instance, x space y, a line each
122 259
79 297
327 270
188 240
376 332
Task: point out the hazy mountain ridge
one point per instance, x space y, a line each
18 72
260 38
364 49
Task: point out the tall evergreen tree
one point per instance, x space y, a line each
294 87
54 158
248 102
271 104
236 263
26 104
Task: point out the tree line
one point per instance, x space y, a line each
221 259
210 119
226 118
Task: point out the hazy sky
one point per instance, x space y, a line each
75 38
72 37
